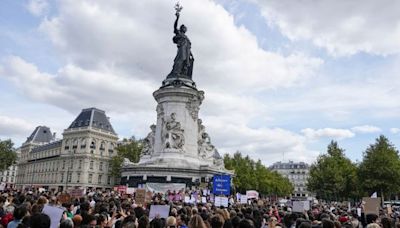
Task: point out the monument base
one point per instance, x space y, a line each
135 175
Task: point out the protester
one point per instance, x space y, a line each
107 209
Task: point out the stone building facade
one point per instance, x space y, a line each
297 173
80 159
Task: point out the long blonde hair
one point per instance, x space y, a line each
197 222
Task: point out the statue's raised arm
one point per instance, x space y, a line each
176 23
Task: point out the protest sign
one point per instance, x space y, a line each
192 200
55 214
217 201
301 206
187 199
306 205
64 198
2 186
161 211
76 192
203 199
221 201
130 191
252 194
222 185
238 195
389 209
140 197
224 201
372 205
243 199
122 189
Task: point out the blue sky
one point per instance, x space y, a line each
280 77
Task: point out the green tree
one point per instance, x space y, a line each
333 175
380 168
8 156
130 149
254 175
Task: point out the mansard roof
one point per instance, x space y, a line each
94 118
41 134
49 146
289 165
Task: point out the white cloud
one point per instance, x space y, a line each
130 38
268 144
11 126
366 129
73 88
333 133
395 130
37 7
118 52
341 27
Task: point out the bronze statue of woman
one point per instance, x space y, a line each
183 62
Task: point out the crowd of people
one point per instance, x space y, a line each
114 210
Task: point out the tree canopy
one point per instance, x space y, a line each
254 175
380 168
333 176
8 156
130 149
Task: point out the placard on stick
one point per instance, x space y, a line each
161 211
301 206
371 205
55 214
140 197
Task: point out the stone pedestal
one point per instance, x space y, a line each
178 146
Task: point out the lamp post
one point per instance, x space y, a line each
33 170
69 165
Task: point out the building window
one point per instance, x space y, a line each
91 165
90 178
78 177
109 180
100 177
71 164
93 145
101 166
62 177
69 177
80 164
63 165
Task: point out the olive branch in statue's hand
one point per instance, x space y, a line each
178 9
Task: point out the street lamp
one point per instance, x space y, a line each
70 165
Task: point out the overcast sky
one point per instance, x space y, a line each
281 78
